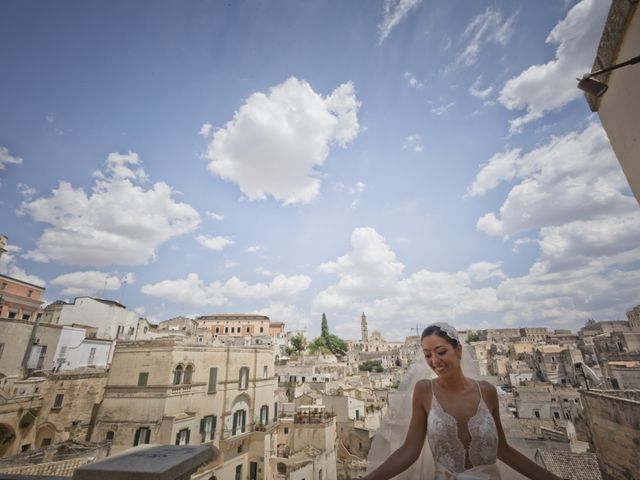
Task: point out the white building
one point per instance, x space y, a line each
109 318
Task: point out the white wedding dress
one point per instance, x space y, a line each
448 451
393 430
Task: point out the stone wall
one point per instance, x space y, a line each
614 421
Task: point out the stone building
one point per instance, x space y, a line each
556 364
306 446
613 417
533 334
19 299
633 317
109 319
545 401
176 391
240 324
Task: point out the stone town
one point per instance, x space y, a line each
86 380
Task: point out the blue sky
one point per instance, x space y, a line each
417 160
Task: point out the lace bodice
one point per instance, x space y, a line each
448 451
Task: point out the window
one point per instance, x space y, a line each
239 422
188 373
142 436
146 329
26 316
264 415
286 430
57 402
208 428
217 329
248 329
1 349
13 314
357 414
213 379
177 375
109 436
536 412
261 329
226 329
142 379
45 442
3 285
275 411
265 371
29 293
556 415
43 354
92 356
239 472
233 329
243 381
63 352
182 437
253 470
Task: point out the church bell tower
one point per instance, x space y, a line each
364 329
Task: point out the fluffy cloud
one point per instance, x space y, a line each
90 282
216 244
214 215
9 267
118 222
275 141
292 316
487 28
551 85
192 290
572 177
599 283
394 12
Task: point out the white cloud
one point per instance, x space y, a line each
265 272
216 244
477 91
117 223
412 80
26 191
255 249
596 282
394 12
549 86
413 142
7 159
89 282
206 130
292 316
501 167
275 141
50 117
572 177
194 291
442 109
487 28
9 267
214 215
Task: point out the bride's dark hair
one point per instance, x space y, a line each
435 329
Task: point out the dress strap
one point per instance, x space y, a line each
480 390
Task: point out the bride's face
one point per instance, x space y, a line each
440 355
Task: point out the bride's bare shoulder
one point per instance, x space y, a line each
423 387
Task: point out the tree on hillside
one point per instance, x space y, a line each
328 343
324 328
297 345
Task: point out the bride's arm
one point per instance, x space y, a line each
410 450
506 452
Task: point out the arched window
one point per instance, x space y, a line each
177 375
243 380
188 374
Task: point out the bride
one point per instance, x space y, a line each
460 417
